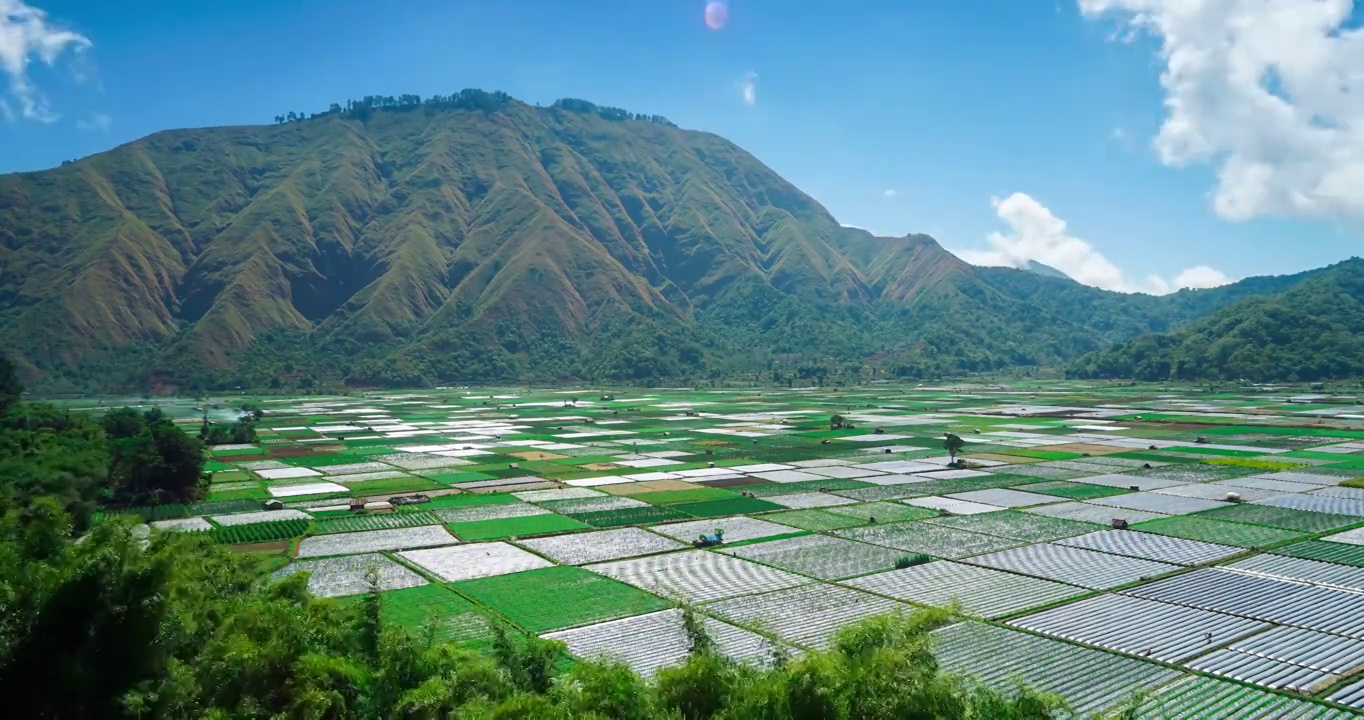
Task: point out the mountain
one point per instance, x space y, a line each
473 237
1313 330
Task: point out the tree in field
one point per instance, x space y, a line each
838 422
150 459
953 444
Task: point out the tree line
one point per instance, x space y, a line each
469 99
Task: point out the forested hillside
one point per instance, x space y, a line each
472 237
1311 331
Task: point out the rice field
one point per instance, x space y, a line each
578 523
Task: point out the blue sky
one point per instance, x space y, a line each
959 119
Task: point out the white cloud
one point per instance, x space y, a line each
891 193
97 121
748 89
26 37
1201 276
1037 234
1270 92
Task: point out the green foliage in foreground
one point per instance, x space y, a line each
176 627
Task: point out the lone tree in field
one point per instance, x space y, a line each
837 422
954 444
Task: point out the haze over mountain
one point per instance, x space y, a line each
474 237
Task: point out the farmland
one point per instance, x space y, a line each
1094 540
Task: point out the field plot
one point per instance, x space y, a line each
1086 568
1154 630
1216 531
476 560
338 576
553 598
259 517
648 643
479 513
1004 497
1089 680
1333 552
1016 525
815 520
929 539
819 556
1262 598
630 516
884 512
1162 548
720 508
1292 658
807 501
1075 491
698 576
1202 697
1313 571
374 541
1158 503
600 546
807 616
1280 517
519 526
353 523
977 590
1098 514
736 529
437 610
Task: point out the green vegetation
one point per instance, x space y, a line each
558 597
683 257
630 516
514 527
1312 331
1217 531
260 532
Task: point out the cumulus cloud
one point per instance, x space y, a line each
891 193
1036 234
1270 92
748 89
27 37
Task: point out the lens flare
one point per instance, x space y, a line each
717 14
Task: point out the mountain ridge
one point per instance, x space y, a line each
475 237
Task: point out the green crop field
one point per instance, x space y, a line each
558 597
629 516
514 527
1217 531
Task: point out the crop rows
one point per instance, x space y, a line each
260 532
352 523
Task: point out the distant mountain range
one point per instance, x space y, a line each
477 238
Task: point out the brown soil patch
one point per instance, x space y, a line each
294 451
713 443
537 455
600 466
647 487
1010 459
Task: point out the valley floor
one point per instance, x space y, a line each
1236 579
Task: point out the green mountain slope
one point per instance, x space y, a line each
1313 330
474 238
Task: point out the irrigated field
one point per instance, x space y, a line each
1199 546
